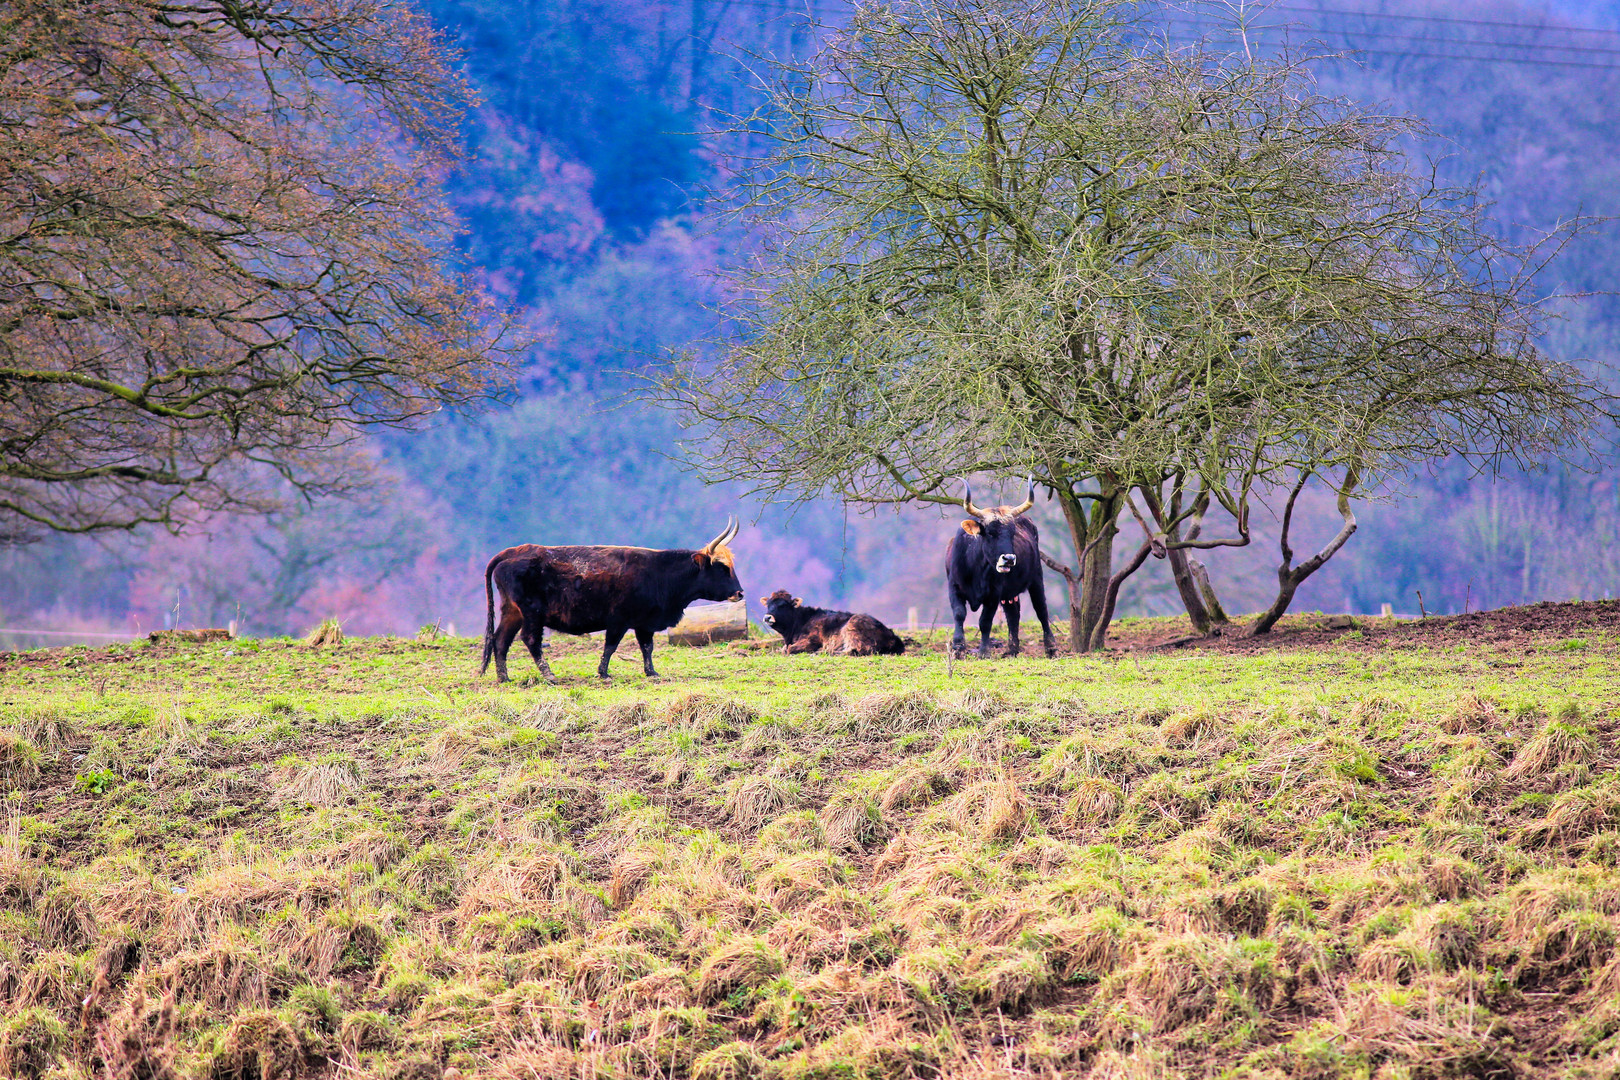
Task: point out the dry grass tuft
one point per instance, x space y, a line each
137 1042
1471 714
745 963
19 760
974 704
632 871
915 786
1559 742
328 632
1188 727
258 1046
1096 801
1092 944
1577 815
47 727
1576 942
800 880
851 821
30 1041
790 834
322 784
765 737
754 800
888 715
603 969
1180 980
731 1061
992 810
708 717
550 715
224 976
626 715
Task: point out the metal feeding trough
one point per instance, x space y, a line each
709 623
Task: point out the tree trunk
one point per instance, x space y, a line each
1100 632
1096 568
1187 586
1092 585
1075 515
1290 576
1212 604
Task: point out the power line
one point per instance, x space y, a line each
815 12
1451 19
1475 44
1603 50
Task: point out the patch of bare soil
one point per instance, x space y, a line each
1526 629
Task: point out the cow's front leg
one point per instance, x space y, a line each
987 618
533 634
644 638
1009 608
610 645
959 613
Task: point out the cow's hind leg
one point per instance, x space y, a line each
987 617
534 637
1037 602
644 638
505 634
1010 609
610 645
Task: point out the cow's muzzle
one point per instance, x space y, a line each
1005 563
736 596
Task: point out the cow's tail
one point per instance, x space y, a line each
489 614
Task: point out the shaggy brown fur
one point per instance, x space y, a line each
813 629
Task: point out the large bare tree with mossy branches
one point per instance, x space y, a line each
1024 237
222 254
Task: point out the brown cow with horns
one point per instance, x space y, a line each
580 590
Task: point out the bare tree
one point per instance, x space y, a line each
221 253
1021 237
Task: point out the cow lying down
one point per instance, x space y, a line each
813 629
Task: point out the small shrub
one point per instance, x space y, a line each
95 782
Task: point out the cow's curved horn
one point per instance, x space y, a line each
1028 502
967 500
725 534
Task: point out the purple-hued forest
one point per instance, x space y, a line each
587 199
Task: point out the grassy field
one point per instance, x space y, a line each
1393 852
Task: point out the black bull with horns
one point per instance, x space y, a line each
993 558
580 590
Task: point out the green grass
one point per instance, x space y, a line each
258 859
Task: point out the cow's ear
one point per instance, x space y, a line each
970 527
797 602
701 559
